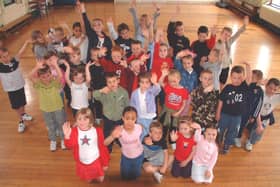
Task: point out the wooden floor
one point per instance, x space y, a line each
25 159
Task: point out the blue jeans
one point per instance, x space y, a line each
228 127
254 137
131 167
146 126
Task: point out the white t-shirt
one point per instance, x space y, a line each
269 104
143 107
79 93
88 145
83 47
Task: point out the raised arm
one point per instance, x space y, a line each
22 49
33 74
133 12
164 73
240 30
67 74
88 77
110 24
248 72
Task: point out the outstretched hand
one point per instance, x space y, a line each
67 130
173 136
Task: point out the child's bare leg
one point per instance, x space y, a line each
149 168
20 111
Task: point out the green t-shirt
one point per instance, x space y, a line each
49 96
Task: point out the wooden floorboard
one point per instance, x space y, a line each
25 159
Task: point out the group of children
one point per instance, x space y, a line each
144 93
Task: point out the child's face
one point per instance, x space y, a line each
52 60
187 63
164 65
163 51
129 119
112 83
185 129
271 89
144 84
79 78
98 26
77 31
125 34
136 49
236 78
116 57
135 66
210 134
202 37
225 35
180 30
212 57
206 79
174 81
94 55
83 122
59 36
155 134
75 58
40 39
5 57
46 78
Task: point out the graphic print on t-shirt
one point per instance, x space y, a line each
234 97
85 140
174 98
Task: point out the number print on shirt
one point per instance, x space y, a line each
234 98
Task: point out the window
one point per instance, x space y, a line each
275 3
8 2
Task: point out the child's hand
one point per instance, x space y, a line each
102 51
165 72
208 88
157 8
203 59
175 114
123 63
214 30
246 20
144 57
110 20
207 174
259 129
133 3
246 64
181 54
178 9
183 163
117 132
173 136
148 141
40 63
195 125
154 78
67 130
104 90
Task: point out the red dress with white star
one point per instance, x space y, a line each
90 153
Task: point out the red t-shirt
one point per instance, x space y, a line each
184 147
174 97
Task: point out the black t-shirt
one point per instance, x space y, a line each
125 45
234 99
8 68
161 144
200 49
97 77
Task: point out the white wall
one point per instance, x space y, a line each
13 11
167 1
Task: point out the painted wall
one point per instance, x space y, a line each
167 1
13 11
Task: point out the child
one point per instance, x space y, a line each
231 106
131 147
206 154
122 37
114 99
155 152
136 51
175 35
175 99
60 41
13 83
204 100
51 105
87 142
185 146
78 39
97 38
143 99
78 83
254 104
213 64
183 63
270 101
224 45
141 26
202 46
40 45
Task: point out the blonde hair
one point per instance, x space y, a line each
173 73
186 120
88 114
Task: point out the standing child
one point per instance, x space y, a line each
231 106
114 99
78 83
13 83
175 99
155 152
87 142
224 45
131 147
270 100
79 39
143 99
40 45
206 154
253 106
185 146
50 101
204 100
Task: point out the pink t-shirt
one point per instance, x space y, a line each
131 142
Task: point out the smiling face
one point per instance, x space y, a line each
125 34
77 31
210 134
112 83
83 122
187 63
98 26
174 80
129 119
225 35
202 37
163 51
180 30
46 78
136 49
5 57
206 79
144 84
79 78
271 89
75 58
155 134
185 129
116 57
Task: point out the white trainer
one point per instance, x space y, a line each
249 146
21 127
63 147
26 117
158 177
237 142
53 146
